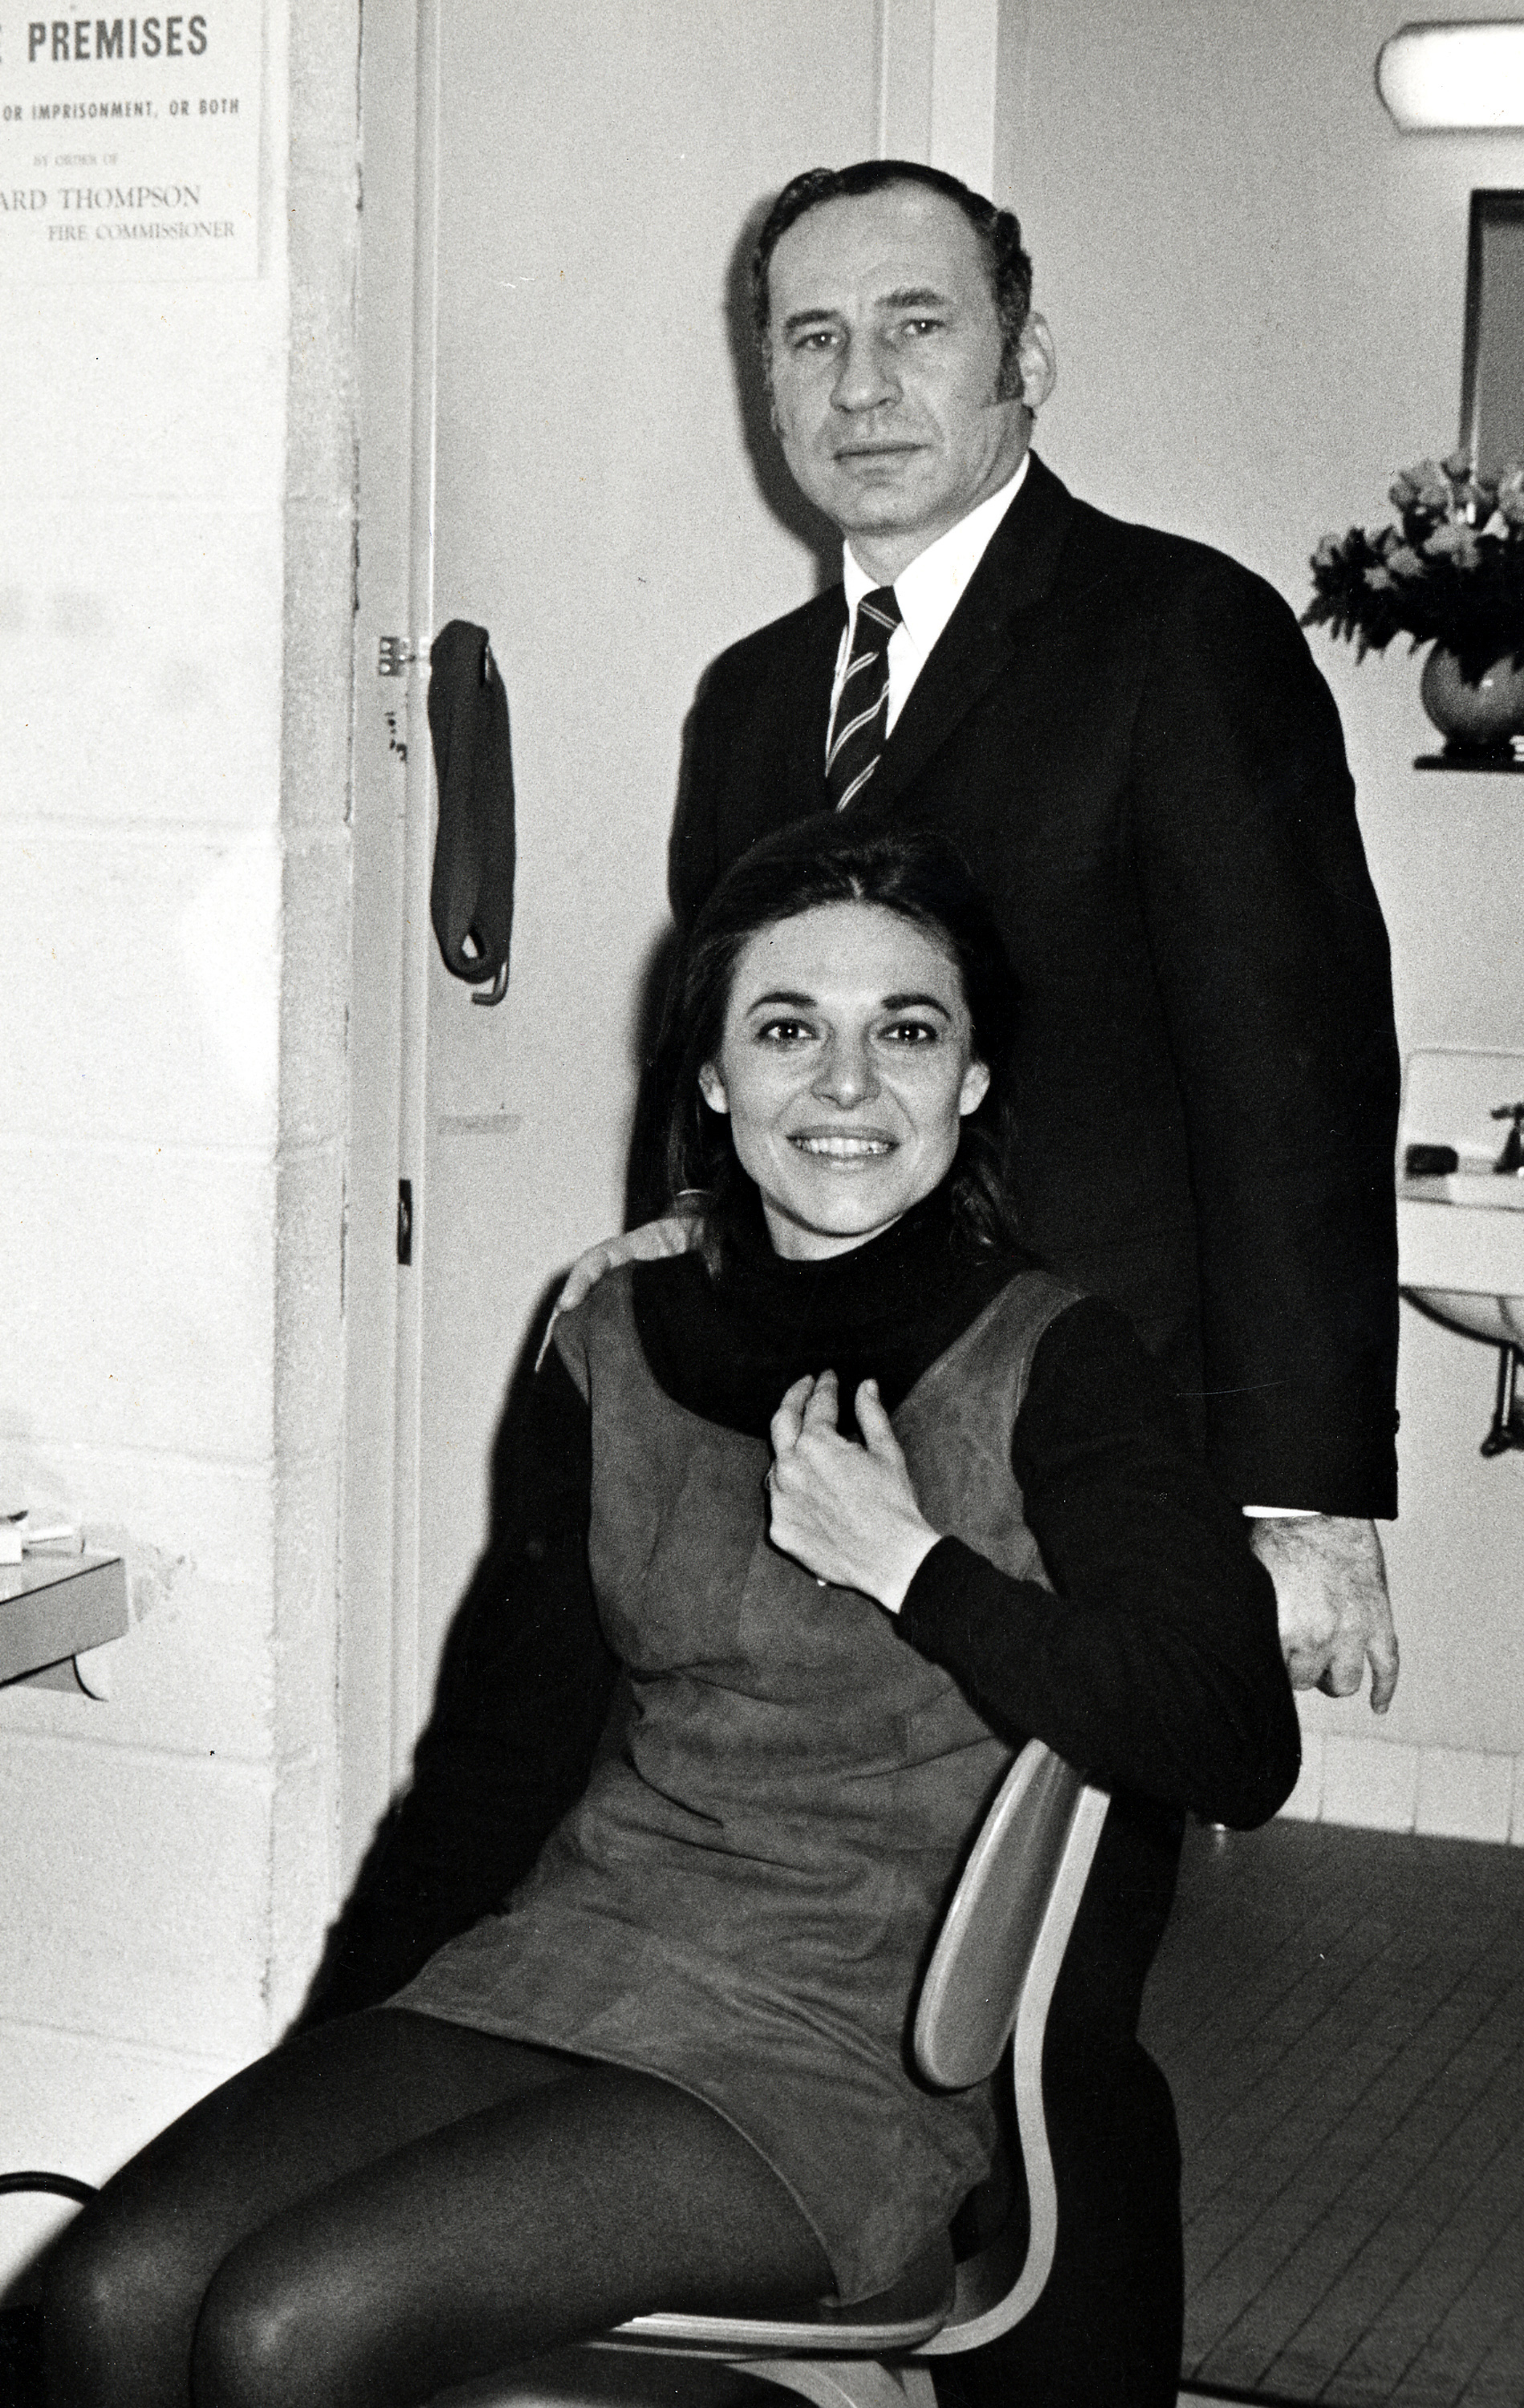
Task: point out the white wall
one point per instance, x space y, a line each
1257 286
175 608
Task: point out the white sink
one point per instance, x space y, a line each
1460 1237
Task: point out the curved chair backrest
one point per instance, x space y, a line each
992 1976
990 1934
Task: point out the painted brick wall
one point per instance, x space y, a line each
175 618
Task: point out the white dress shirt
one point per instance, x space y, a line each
928 593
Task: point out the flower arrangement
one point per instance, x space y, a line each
1451 570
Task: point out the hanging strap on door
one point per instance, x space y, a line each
471 895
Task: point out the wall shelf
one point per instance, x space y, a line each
53 1606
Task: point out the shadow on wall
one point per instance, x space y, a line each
448 1869
470 1837
645 1175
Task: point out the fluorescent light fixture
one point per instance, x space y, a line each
1453 79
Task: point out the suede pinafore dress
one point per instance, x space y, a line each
744 1897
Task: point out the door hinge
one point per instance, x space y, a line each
394 656
405 1220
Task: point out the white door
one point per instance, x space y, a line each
593 480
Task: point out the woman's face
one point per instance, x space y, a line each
845 1066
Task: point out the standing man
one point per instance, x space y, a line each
1126 736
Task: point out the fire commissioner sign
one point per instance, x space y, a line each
129 146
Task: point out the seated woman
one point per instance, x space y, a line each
867 1498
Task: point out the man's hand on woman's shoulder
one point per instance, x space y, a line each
653 1241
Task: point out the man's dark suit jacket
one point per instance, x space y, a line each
1126 736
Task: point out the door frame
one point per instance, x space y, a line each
390 820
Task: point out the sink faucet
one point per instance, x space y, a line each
1510 1162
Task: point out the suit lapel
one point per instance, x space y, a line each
811 674
984 631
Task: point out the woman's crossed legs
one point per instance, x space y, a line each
391 2205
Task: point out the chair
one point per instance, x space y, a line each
990 1980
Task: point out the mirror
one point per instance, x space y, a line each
1492 371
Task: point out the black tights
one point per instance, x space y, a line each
391 2205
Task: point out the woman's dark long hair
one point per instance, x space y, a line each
921 878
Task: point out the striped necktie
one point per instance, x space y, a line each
857 736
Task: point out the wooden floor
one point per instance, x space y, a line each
1341 2015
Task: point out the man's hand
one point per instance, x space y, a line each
1330 1595
650 1244
847 1512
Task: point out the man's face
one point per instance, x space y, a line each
886 363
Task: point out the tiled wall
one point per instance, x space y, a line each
1447 1793
176 600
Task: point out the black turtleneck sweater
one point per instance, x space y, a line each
1155 1667
727 1346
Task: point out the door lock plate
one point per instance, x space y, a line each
394 656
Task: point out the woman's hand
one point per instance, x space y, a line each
847 1512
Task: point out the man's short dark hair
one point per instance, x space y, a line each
1007 264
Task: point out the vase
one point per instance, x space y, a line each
1476 721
